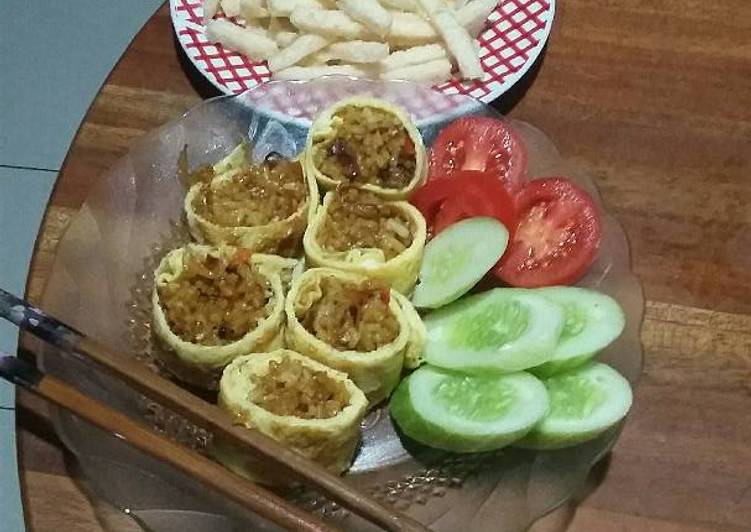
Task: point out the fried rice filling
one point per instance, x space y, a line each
360 219
215 301
290 388
351 316
370 146
256 195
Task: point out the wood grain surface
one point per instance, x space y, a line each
653 99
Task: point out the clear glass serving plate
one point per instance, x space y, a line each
102 277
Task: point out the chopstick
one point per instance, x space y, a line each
253 496
202 413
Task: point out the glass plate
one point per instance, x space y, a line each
102 277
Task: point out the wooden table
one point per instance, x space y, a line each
654 100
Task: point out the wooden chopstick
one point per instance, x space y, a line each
202 413
261 501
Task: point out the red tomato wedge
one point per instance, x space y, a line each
556 238
483 144
446 201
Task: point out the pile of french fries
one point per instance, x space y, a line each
415 40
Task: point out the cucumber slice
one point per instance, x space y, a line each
502 331
584 403
457 258
593 321
464 413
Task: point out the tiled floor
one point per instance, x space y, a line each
10 501
54 56
23 196
59 53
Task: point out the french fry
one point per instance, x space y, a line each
302 47
285 38
282 31
414 56
258 30
311 72
401 5
358 51
410 29
231 8
284 8
369 13
458 41
297 36
248 42
431 72
473 15
317 59
327 22
210 7
252 9
277 24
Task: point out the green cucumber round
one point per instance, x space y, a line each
501 331
584 403
464 413
592 322
457 258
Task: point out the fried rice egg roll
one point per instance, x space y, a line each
368 143
301 403
262 207
359 232
211 305
418 337
349 323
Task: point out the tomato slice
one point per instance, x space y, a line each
456 209
446 201
482 144
556 238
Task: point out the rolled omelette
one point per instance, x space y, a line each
213 304
359 232
367 143
350 323
287 268
418 335
262 207
299 402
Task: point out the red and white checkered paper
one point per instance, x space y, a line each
513 38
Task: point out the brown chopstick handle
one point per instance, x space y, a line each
261 501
